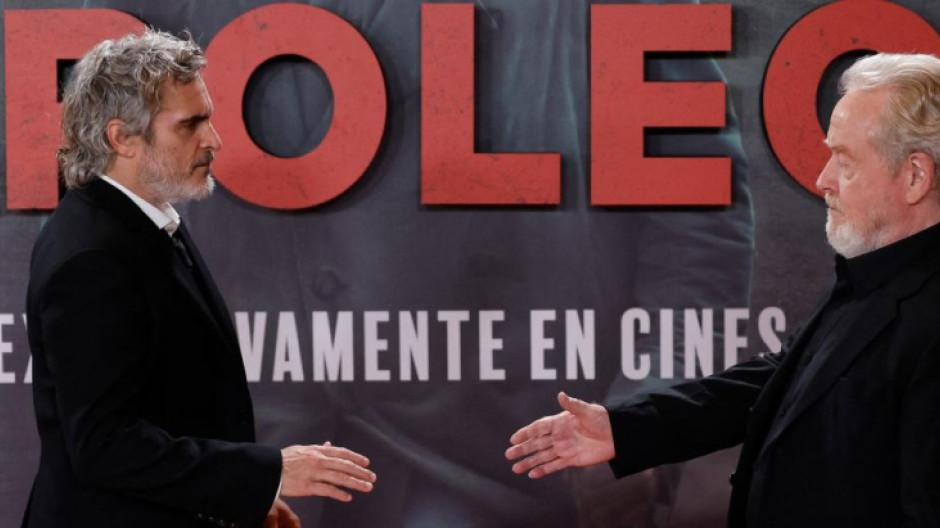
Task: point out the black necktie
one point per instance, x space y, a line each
181 248
186 256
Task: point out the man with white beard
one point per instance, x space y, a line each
141 399
842 427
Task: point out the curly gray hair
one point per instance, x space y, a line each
910 121
119 79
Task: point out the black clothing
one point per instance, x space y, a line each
141 399
842 427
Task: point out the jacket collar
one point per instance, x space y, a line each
164 217
104 196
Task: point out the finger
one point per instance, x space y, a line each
289 519
535 460
270 521
572 405
540 427
294 521
523 434
322 489
327 444
345 466
547 469
338 478
529 446
342 452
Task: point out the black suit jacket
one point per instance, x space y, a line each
140 394
861 445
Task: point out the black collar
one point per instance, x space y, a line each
865 273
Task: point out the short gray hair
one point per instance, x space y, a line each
910 121
119 79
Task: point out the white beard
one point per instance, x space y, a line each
849 241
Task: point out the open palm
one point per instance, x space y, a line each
580 435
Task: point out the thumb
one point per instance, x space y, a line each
572 405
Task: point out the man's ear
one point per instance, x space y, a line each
922 178
124 144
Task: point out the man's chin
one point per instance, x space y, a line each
207 187
193 193
847 241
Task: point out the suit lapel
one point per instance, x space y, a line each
184 277
215 305
879 313
155 244
881 310
765 408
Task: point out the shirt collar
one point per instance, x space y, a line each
867 272
165 217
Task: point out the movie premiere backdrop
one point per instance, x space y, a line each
432 217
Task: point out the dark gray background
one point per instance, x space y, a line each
367 250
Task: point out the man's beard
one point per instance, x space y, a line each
850 239
170 185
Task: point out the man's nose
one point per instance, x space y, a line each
824 182
212 139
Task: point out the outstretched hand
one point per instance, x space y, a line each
580 435
324 470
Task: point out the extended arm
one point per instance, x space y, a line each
676 424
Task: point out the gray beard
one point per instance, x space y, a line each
167 185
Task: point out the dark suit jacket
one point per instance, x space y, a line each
861 446
141 399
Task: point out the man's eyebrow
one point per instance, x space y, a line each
198 118
833 147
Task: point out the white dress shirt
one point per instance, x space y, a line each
165 217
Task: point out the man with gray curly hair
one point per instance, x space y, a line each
842 426
141 399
